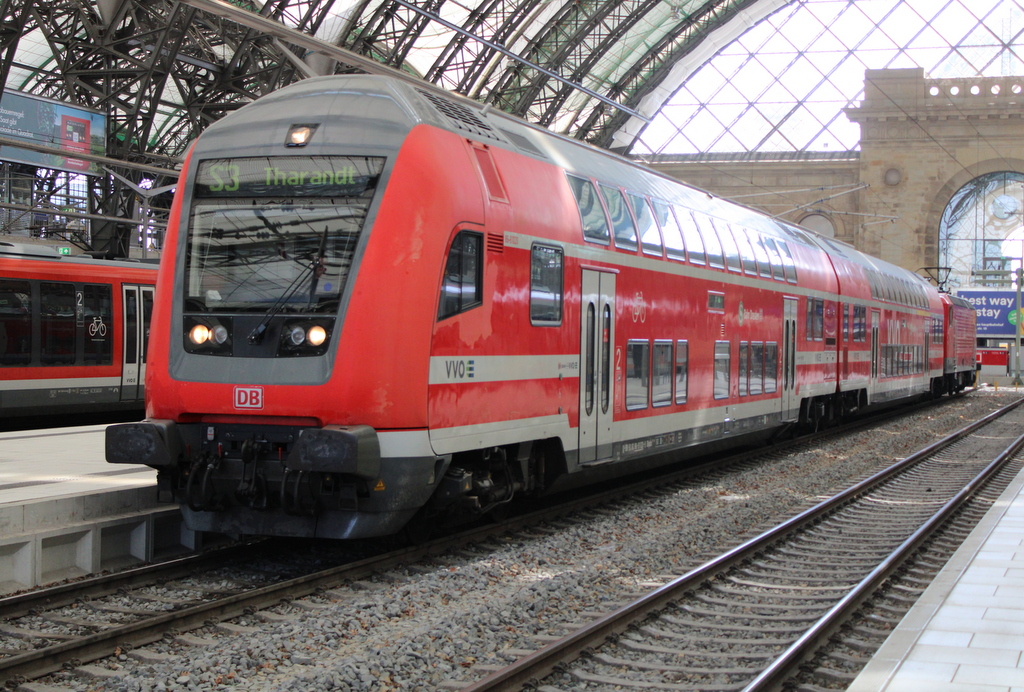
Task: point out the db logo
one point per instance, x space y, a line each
248 397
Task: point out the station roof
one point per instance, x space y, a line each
603 71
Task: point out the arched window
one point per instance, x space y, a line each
981 234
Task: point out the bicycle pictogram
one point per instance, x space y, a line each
97 327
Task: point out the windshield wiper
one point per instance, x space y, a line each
314 271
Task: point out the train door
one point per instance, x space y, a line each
876 320
790 403
137 311
597 336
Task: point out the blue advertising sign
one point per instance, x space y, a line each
997 311
52 124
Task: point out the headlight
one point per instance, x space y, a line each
305 336
200 334
207 334
219 334
316 335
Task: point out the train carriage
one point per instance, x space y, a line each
73 331
959 354
404 303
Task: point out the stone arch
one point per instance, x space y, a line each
962 177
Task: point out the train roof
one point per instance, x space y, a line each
378 111
29 251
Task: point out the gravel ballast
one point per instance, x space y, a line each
417 627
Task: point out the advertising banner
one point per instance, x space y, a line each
52 124
997 311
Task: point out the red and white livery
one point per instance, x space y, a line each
73 331
379 301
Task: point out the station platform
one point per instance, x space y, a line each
65 512
966 632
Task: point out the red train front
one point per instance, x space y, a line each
376 300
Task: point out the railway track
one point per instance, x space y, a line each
748 619
45 630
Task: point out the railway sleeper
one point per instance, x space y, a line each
643 665
729 627
817 607
752 615
703 653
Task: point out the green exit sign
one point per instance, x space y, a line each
64 250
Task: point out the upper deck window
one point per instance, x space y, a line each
650 238
622 222
670 231
712 245
595 223
691 236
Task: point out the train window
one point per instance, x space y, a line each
691 236
637 374
778 272
764 264
650 238
622 223
787 262
937 331
756 368
682 368
723 360
99 319
729 248
771 367
670 232
746 251
815 319
744 367
661 375
606 357
57 323
545 285
595 223
131 325
712 245
588 368
147 319
860 322
846 322
716 301
15 322
462 287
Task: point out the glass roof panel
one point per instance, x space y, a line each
807 60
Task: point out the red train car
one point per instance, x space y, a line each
959 363
73 331
404 303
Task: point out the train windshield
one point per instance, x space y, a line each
276 233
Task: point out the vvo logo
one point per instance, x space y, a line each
248 397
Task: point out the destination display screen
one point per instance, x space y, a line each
289 176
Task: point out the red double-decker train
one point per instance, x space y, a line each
377 300
73 332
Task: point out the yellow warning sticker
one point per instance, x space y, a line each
380 485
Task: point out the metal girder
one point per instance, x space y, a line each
560 43
164 70
391 31
13 18
645 74
463 64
